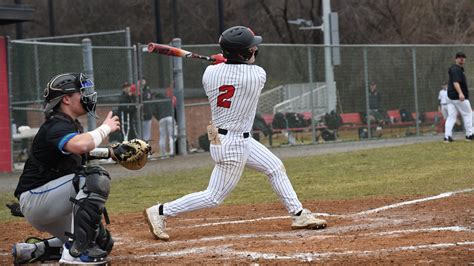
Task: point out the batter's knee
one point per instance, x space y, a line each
277 170
214 198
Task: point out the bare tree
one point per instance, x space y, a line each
361 21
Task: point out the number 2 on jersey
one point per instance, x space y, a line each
226 92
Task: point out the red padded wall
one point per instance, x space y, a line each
5 130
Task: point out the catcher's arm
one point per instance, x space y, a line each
88 141
99 153
131 154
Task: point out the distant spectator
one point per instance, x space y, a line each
443 100
127 113
376 113
260 125
458 99
163 112
147 110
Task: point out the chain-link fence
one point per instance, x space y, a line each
294 102
407 79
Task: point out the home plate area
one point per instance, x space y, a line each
437 229
412 230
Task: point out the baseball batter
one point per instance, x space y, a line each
58 194
458 100
233 90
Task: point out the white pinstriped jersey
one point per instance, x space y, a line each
233 91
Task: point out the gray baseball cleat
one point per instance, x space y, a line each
156 222
25 253
306 220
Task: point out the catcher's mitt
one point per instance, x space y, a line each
130 154
14 209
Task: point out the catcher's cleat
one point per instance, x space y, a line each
91 256
156 222
306 220
25 253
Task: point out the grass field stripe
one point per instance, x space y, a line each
396 205
225 252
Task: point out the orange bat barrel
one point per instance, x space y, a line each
166 50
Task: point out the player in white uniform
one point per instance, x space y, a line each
233 90
458 100
443 100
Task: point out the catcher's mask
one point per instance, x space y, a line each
69 83
236 43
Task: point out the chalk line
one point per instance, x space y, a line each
383 208
231 253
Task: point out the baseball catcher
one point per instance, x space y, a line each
58 193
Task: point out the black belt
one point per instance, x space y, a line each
224 132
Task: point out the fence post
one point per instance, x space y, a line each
178 90
139 71
89 71
138 113
39 92
310 72
415 90
128 43
366 78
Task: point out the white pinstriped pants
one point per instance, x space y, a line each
231 157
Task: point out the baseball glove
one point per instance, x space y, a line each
14 209
131 154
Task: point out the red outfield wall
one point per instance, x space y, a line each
5 126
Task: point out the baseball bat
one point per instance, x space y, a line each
178 52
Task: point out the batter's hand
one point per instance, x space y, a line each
219 59
461 97
112 121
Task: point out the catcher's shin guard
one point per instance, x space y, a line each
104 239
88 209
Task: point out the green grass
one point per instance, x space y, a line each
419 169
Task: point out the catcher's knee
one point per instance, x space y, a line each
97 181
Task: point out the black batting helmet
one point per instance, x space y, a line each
69 83
236 41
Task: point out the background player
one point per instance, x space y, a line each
458 99
443 100
56 192
233 90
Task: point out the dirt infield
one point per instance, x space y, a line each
437 229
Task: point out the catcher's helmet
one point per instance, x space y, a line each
69 83
236 41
